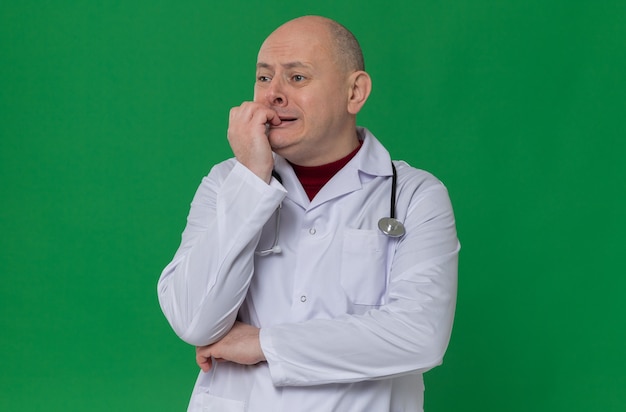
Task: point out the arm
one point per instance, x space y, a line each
201 290
408 334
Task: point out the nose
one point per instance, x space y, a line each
275 93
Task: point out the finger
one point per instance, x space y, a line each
256 113
272 118
203 360
205 364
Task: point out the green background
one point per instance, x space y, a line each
111 113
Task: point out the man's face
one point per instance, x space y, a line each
299 77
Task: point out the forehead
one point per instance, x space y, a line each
310 46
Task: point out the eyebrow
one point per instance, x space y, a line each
289 65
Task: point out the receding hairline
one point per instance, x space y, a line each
344 44
347 46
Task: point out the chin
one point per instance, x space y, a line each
280 140
286 151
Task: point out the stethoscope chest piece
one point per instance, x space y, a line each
391 227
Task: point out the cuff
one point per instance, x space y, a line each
269 350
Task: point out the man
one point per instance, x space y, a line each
295 299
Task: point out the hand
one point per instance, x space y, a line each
240 345
247 135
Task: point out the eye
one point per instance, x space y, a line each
263 79
298 78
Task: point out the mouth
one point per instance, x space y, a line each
287 119
284 121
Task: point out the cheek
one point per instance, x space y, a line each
324 112
314 108
327 105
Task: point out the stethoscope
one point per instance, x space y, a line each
390 226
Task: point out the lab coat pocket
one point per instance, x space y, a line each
363 267
212 403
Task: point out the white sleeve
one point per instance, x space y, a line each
408 334
202 288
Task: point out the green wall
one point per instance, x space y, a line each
111 112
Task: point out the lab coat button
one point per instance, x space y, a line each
303 298
312 231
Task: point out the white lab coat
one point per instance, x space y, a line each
349 318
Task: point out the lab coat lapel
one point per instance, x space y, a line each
345 181
295 191
371 161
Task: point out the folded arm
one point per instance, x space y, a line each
201 290
407 334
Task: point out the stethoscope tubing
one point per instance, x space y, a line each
390 226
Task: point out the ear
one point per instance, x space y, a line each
360 85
